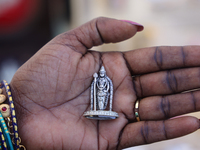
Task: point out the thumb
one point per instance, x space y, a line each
98 31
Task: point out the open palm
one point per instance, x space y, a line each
52 91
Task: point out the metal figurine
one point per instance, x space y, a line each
101 93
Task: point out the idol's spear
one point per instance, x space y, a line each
95 82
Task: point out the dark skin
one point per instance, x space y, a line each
52 91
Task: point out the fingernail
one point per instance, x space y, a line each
139 26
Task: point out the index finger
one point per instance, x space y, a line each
162 58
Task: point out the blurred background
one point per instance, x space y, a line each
26 25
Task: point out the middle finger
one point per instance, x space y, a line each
164 107
167 82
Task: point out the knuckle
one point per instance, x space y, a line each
164 131
171 81
138 86
158 58
145 132
165 107
193 101
183 55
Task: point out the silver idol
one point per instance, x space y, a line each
101 94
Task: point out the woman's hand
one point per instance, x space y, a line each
52 91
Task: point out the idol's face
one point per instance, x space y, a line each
102 74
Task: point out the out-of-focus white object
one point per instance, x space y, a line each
179 146
8 69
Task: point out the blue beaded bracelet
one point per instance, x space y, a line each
6 133
13 115
3 142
